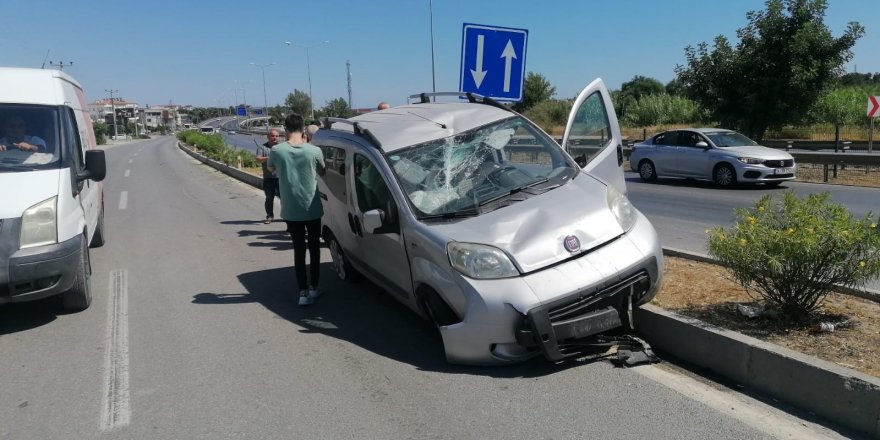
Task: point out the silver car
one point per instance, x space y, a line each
473 217
723 156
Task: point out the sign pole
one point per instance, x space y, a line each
871 137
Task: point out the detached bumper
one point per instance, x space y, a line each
35 273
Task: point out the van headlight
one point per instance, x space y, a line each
38 224
480 261
622 209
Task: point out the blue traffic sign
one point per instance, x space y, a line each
493 61
241 111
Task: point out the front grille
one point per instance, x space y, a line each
779 163
586 302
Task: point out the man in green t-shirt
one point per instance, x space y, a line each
297 165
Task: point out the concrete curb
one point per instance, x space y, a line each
250 179
841 395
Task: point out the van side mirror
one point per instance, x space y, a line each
703 145
373 220
96 166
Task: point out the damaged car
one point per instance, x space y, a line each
513 245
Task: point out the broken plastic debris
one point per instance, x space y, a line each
749 311
828 327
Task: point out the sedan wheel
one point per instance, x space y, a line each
724 176
340 264
647 171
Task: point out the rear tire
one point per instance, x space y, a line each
724 176
647 171
79 297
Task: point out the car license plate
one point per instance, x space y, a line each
783 171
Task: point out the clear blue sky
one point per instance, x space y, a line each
199 53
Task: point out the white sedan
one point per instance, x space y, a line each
722 156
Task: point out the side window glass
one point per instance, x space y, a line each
687 139
660 139
670 138
71 138
372 192
590 131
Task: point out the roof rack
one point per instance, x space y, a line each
424 98
328 122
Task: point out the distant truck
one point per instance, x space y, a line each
53 209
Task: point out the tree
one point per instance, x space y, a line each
860 79
633 90
337 108
785 59
536 89
101 130
299 102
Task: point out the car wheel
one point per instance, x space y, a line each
724 176
341 265
79 297
647 171
98 236
436 309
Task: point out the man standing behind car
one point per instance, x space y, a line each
297 164
270 181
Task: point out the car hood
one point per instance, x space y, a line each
533 231
26 188
757 152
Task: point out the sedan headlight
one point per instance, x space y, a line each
751 160
622 209
38 224
480 261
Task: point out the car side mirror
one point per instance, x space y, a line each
703 145
373 220
96 166
581 160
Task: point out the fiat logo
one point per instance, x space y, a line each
571 243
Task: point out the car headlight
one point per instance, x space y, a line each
622 209
38 224
480 261
751 160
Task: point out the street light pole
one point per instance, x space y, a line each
113 108
309 71
265 101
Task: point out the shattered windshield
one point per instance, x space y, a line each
465 171
28 138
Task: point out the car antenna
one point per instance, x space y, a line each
44 59
434 122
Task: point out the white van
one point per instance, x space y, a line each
52 208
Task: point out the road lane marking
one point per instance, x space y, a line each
123 200
127 173
752 412
115 405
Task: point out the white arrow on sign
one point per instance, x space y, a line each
873 106
479 73
509 54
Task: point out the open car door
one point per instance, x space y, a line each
592 135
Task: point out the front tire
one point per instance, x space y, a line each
79 297
724 176
341 266
647 171
98 236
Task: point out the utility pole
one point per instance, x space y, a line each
348 71
112 106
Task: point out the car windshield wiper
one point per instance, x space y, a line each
6 167
450 215
522 188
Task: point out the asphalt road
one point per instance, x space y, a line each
194 333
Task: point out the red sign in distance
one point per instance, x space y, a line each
873 106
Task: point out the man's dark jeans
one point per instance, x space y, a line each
298 231
270 188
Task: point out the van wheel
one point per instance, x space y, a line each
340 262
724 176
98 236
647 171
437 309
79 297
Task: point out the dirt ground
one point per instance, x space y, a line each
706 292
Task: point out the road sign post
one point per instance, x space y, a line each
873 112
493 61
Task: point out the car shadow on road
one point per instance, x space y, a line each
15 318
694 183
363 315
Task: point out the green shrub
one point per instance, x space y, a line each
213 147
550 114
661 109
792 254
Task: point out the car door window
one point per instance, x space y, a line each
688 139
373 193
669 138
590 130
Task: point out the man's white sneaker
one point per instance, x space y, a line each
314 292
304 298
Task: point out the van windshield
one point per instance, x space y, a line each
28 138
469 170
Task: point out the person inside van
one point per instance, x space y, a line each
15 137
